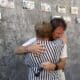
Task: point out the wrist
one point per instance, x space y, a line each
56 68
27 49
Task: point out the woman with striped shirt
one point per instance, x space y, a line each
41 65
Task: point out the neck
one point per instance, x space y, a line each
44 39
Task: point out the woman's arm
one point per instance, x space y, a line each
34 48
29 47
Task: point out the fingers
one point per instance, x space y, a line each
48 66
45 65
39 48
36 48
64 38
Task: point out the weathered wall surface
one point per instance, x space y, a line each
16 26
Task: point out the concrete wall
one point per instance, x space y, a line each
16 26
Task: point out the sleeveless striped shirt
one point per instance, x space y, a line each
52 55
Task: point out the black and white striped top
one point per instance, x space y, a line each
52 55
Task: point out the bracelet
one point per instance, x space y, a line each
56 68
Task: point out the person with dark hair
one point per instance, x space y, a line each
56 22
58 26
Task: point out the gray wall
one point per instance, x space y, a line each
16 26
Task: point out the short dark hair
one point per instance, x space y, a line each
56 22
43 29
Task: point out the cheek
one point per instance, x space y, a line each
59 36
54 35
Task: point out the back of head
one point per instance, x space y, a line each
58 22
43 29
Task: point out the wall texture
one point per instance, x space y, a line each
16 26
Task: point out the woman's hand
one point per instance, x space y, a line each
64 38
35 48
48 66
